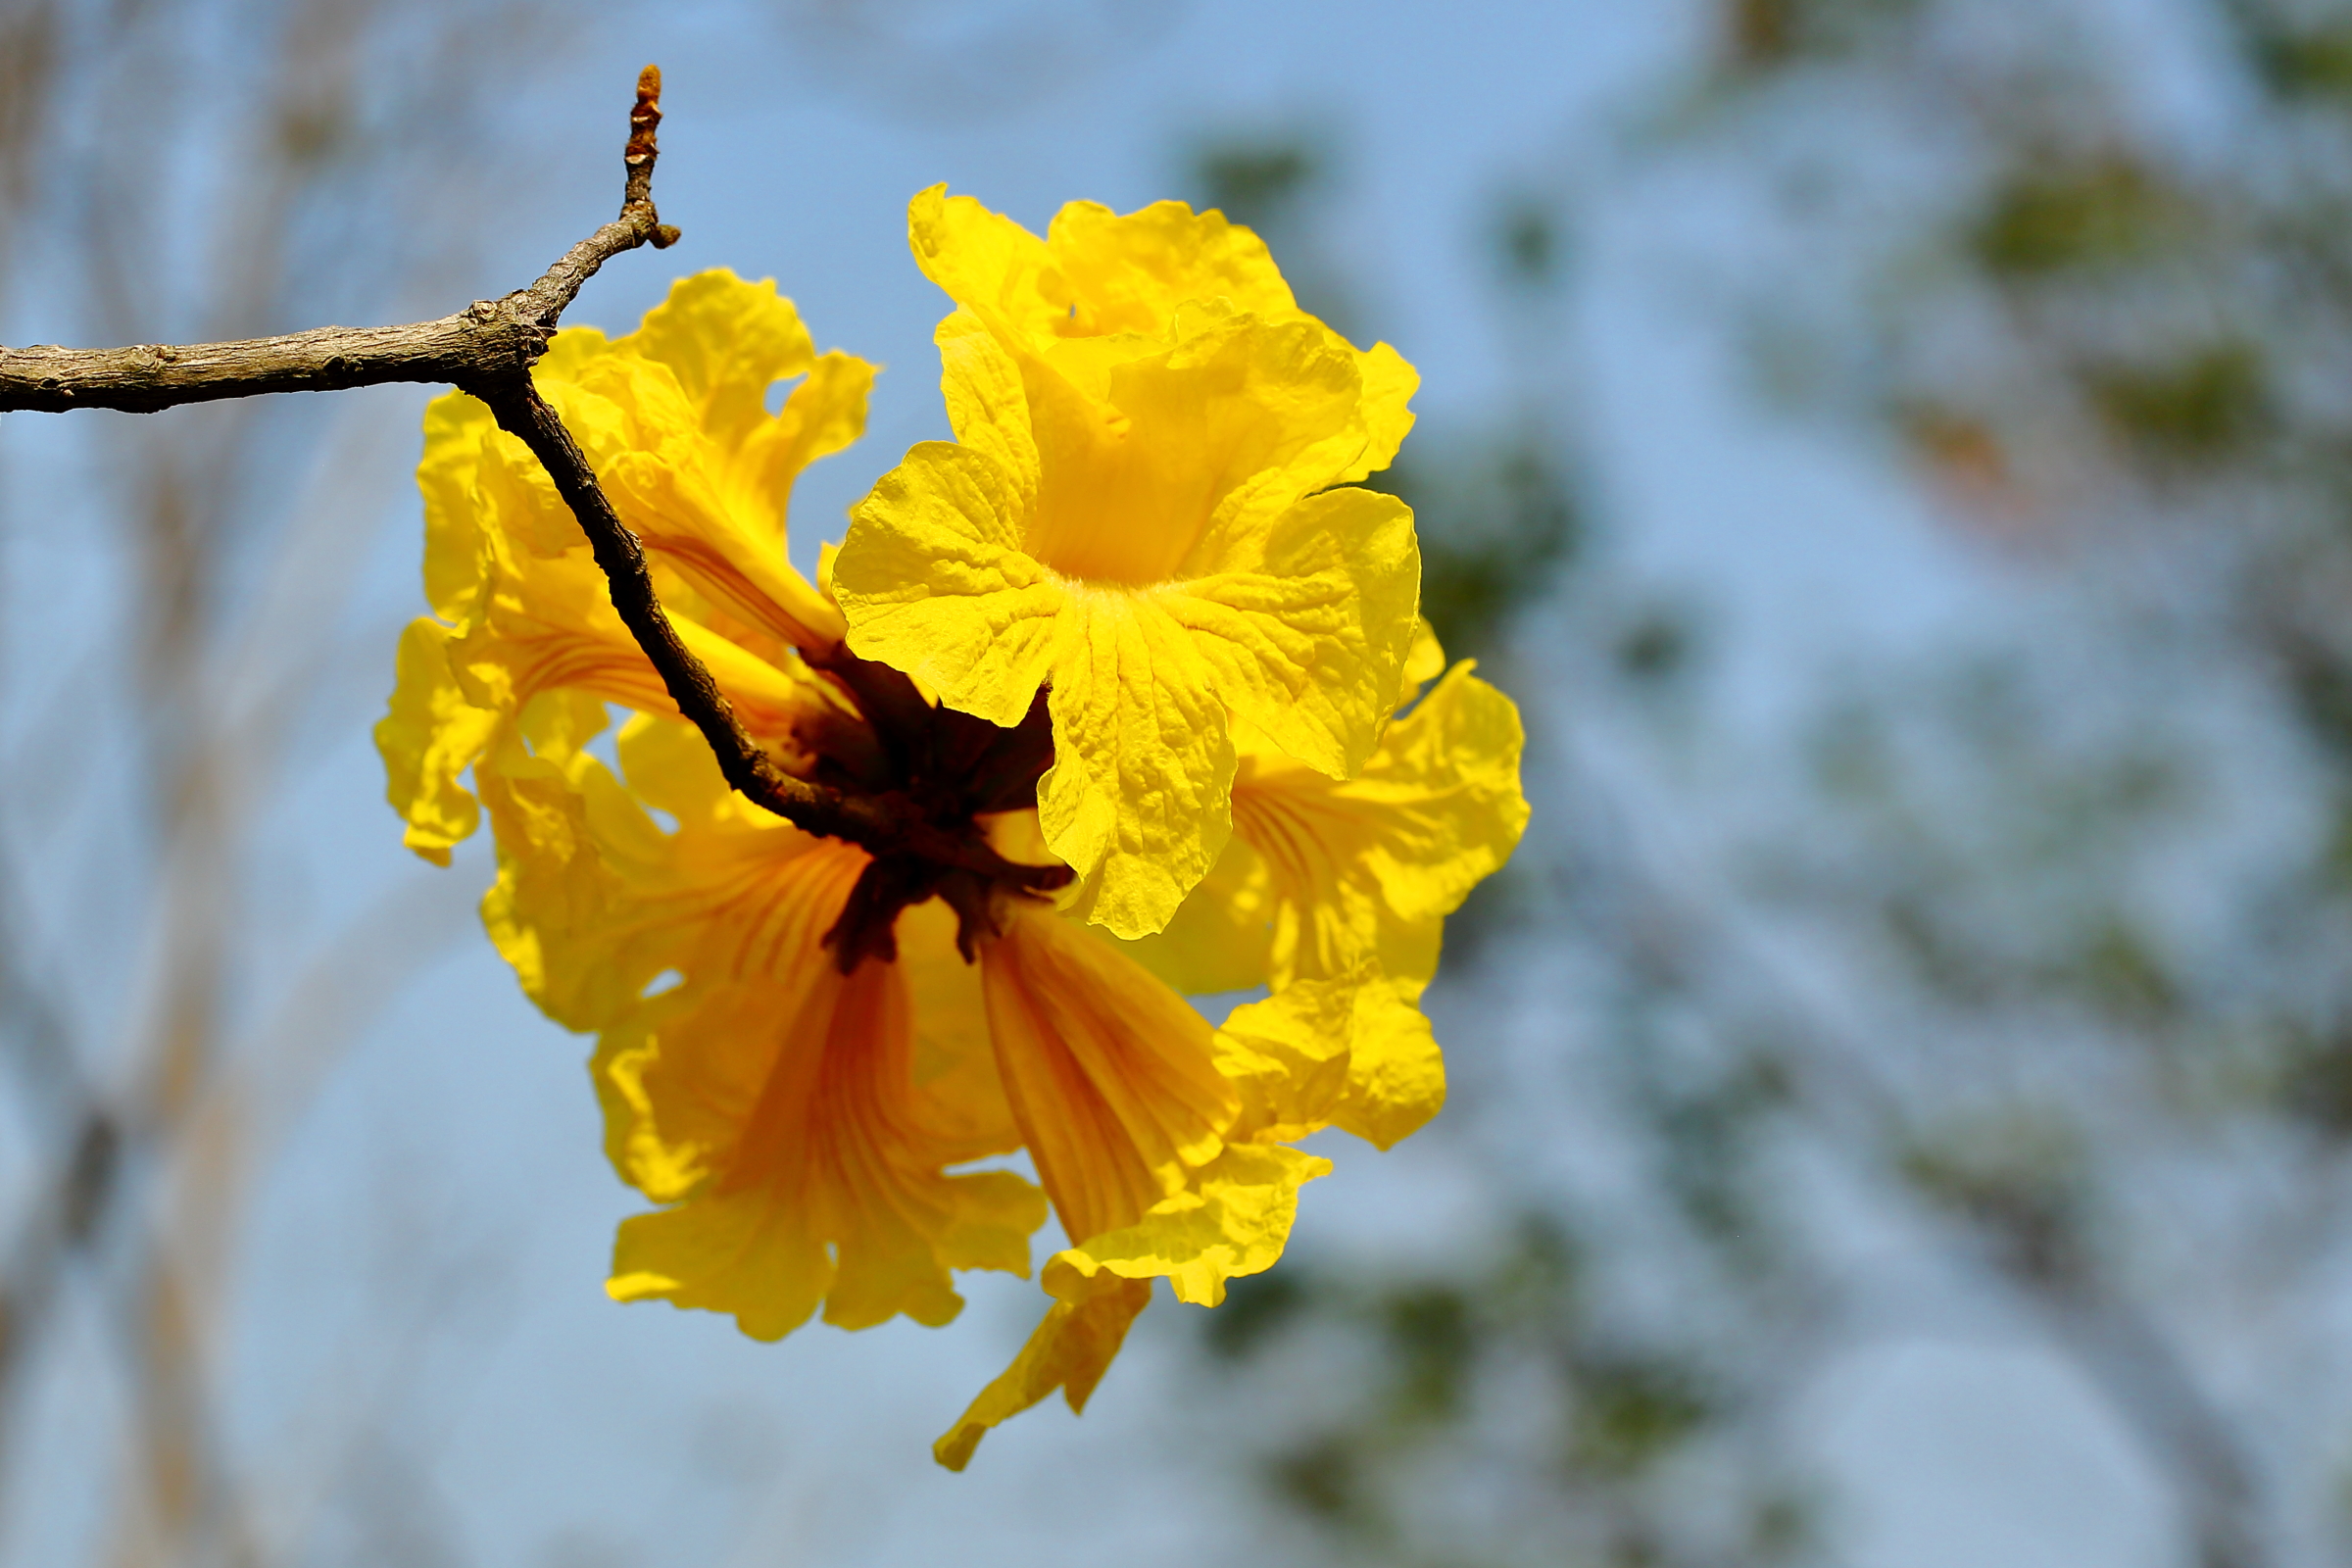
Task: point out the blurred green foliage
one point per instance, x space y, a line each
2196 409
1258 183
1762 36
2301 63
2044 219
1444 1354
1498 522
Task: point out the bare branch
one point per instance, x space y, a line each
488 340
478 343
487 349
877 822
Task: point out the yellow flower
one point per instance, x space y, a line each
1138 513
674 422
1330 878
799 1122
802 1043
1322 874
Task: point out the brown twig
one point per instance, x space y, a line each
877 822
489 340
482 341
487 349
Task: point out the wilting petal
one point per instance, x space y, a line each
1069 1351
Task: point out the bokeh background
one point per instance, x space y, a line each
1897 452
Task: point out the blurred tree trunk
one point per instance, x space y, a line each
169 170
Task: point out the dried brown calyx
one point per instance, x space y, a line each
942 769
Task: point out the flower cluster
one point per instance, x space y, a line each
1137 620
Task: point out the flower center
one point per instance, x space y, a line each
953 769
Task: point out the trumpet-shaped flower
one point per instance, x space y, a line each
1326 878
800 1123
672 419
804 1045
1138 513
1323 873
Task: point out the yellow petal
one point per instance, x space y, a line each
1139 513
670 483
428 738
1111 1075
1388 385
1425 662
564 829
955 1063
1368 867
772 1101
1308 642
988 407
457 427
934 583
1222 936
1178 468
1445 787
1130 273
983 259
823 414
544 622
1233 1220
594 902
1069 1351
1290 1056
725 340
827 1190
1137 801
1396 1073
